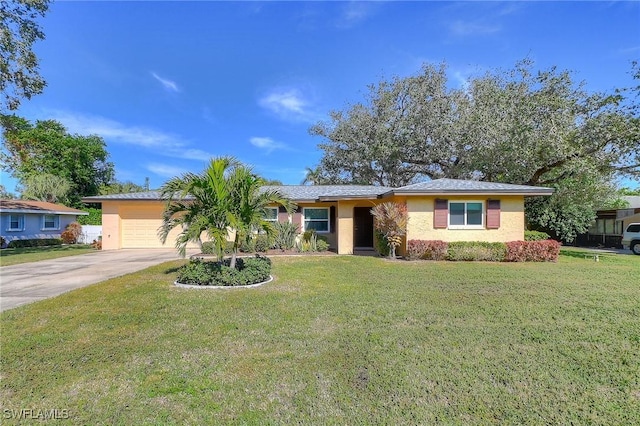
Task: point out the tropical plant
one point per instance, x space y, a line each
391 220
225 197
284 237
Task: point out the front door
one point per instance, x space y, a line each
362 227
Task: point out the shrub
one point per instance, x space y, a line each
71 233
262 243
35 242
535 236
247 245
97 244
209 247
476 251
322 245
285 235
94 218
247 271
532 251
382 245
2 242
427 249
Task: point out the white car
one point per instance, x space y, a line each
631 238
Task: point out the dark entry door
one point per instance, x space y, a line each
362 227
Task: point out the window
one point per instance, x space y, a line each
316 218
271 214
466 214
16 222
50 222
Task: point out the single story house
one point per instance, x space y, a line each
25 219
606 230
442 209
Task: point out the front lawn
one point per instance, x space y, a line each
338 340
14 256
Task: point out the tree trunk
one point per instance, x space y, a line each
234 252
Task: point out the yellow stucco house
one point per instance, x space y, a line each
442 209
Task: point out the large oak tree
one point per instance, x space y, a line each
518 126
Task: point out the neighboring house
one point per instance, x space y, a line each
443 209
606 230
25 219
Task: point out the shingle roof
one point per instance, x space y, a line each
633 200
28 206
458 186
300 193
147 195
328 192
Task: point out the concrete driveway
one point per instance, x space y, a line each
29 282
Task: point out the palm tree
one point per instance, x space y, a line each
227 195
312 176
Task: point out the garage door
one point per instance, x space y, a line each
139 228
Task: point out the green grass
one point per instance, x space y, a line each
35 254
338 340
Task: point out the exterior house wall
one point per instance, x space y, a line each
33 226
421 215
298 218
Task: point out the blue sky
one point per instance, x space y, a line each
170 84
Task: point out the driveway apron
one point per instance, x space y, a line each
30 282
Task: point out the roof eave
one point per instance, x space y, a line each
468 192
27 211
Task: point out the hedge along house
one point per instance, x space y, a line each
443 209
25 219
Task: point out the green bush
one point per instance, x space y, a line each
322 245
94 218
247 245
535 236
209 247
35 242
262 243
382 244
248 271
285 235
476 251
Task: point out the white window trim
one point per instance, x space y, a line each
328 219
276 218
56 221
21 223
483 210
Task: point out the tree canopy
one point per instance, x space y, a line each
47 148
517 126
19 77
46 187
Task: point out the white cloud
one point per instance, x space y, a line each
355 12
284 101
165 170
167 84
288 104
465 28
265 143
163 143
